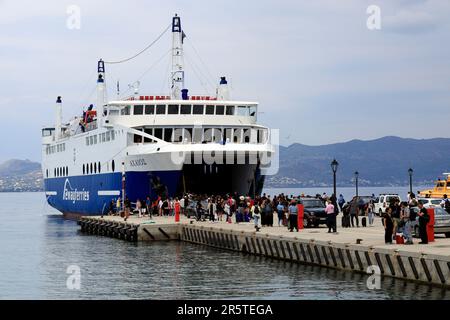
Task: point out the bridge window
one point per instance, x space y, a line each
230 110
252 111
125 111
209 110
220 110
99 167
91 168
83 169
149 109
243 111
138 109
173 109
161 109
150 132
95 167
46 172
113 166
198 109
158 133
108 136
168 134
113 135
186 109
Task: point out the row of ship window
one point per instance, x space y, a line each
195 109
60 147
96 167
101 137
59 172
204 135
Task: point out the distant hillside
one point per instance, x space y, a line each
20 175
382 162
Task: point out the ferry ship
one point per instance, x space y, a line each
154 146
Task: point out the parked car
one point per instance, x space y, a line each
441 222
382 202
430 202
314 212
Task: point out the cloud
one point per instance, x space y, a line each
409 22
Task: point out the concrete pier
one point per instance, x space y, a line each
352 249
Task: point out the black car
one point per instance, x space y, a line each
314 212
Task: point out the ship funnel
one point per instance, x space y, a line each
58 121
222 92
184 94
101 87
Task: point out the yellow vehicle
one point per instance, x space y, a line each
442 187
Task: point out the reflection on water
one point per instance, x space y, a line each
41 247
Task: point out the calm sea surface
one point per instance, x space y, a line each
37 246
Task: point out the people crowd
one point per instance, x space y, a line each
399 217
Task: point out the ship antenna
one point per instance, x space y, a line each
177 58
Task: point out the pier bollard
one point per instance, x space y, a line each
300 216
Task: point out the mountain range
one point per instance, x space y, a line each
380 162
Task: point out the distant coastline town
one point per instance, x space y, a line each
381 163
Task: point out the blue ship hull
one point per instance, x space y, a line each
91 194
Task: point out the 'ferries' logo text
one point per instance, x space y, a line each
74 195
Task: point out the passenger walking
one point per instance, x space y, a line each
329 209
388 226
148 205
354 214
111 208
118 206
371 212
256 213
293 216
280 212
199 210
127 204
341 202
227 211
405 220
424 218
139 208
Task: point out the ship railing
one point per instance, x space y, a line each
91 126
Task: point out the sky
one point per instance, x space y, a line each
319 73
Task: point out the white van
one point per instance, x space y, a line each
383 201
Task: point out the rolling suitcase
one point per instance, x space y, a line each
364 221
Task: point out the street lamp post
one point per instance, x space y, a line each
334 165
356 181
410 172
